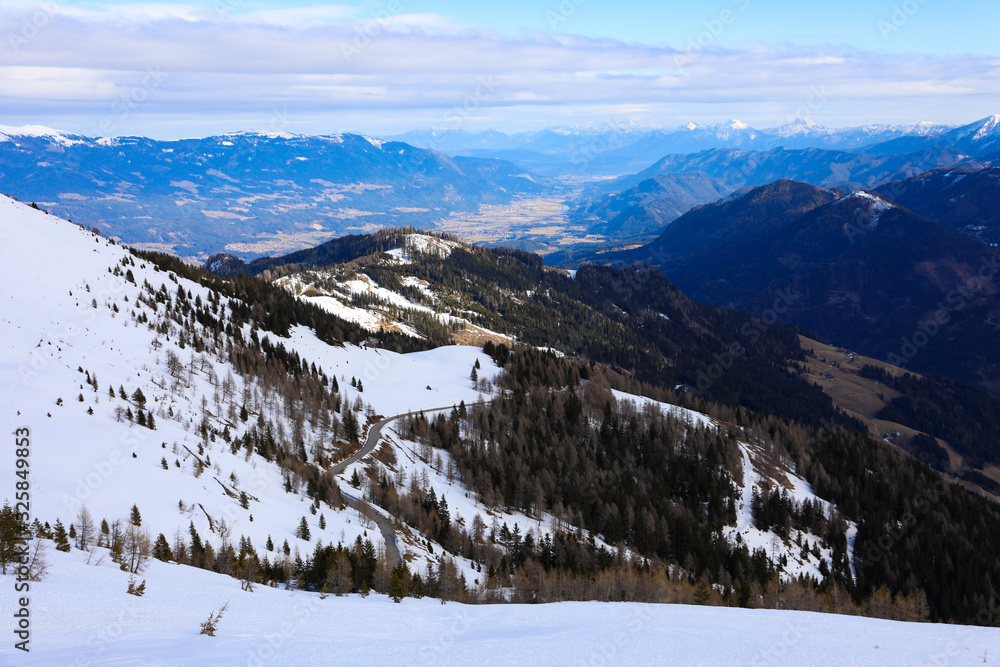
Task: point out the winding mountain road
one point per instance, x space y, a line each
371 442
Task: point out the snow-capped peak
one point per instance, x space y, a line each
37 131
875 200
272 134
988 127
30 131
797 126
877 205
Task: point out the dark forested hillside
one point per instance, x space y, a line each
962 200
964 415
559 442
856 270
632 319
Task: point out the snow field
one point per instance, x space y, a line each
83 616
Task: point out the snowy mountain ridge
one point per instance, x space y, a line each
120 340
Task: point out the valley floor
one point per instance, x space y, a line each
81 615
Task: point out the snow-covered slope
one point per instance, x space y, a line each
106 462
67 317
358 298
83 322
84 616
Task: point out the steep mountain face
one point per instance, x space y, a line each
644 210
963 201
979 138
857 270
823 168
253 193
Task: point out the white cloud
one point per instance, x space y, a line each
332 63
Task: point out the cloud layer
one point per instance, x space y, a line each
175 69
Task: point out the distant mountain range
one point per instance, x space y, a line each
737 167
858 270
634 208
979 138
251 193
618 149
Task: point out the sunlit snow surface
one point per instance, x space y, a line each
83 616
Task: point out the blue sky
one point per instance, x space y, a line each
188 69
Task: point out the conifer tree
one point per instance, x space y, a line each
303 531
197 547
12 528
134 517
60 537
161 549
